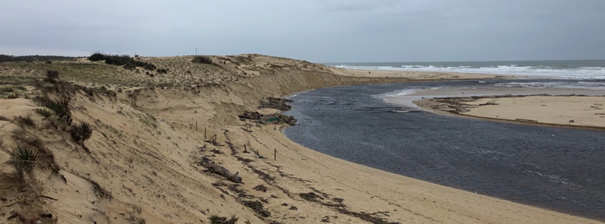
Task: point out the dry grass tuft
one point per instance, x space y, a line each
60 107
44 112
223 220
24 158
81 133
25 121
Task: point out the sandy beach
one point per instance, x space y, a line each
573 111
154 154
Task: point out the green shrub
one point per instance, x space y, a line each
81 133
97 57
7 89
51 76
122 60
146 66
23 158
129 66
202 60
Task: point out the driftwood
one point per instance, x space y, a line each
220 170
491 102
213 140
526 120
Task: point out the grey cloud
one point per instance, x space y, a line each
316 30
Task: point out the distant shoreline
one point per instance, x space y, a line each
551 69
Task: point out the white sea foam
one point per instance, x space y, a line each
536 71
558 85
398 93
401 97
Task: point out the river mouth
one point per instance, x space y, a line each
553 168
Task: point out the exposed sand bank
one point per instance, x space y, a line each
575 111
148 143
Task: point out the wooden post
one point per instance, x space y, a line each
245 150
275 154
196 126
205 133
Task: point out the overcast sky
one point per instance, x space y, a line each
313 30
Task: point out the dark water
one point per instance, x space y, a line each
555 168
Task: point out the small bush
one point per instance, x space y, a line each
23 158
51 76
7 89
27 121
162 71
13 96
97 57
81 133
202 60
43 112
223 220
121 60
129 67
146 66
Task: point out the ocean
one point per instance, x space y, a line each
568 69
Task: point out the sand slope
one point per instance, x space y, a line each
143 159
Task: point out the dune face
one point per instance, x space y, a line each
167 146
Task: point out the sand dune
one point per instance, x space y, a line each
145 161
